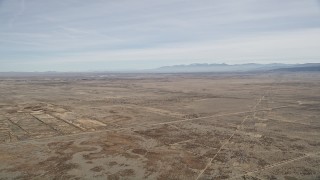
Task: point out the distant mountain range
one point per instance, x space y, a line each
191 68
238 67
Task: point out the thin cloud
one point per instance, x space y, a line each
175 31
264 46
18 13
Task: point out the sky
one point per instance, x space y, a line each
99 35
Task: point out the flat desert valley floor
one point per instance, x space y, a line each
160 126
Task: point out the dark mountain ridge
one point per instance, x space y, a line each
237 67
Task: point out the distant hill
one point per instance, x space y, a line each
238 67
301 68
190 68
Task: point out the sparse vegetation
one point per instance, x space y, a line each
178 126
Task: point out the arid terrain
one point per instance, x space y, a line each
160 126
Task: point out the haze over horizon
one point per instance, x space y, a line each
79 35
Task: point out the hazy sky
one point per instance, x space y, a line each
80 35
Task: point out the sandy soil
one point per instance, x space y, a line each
160 126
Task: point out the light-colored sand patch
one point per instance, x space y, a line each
90 123
260 125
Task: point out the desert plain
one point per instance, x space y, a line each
160 126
